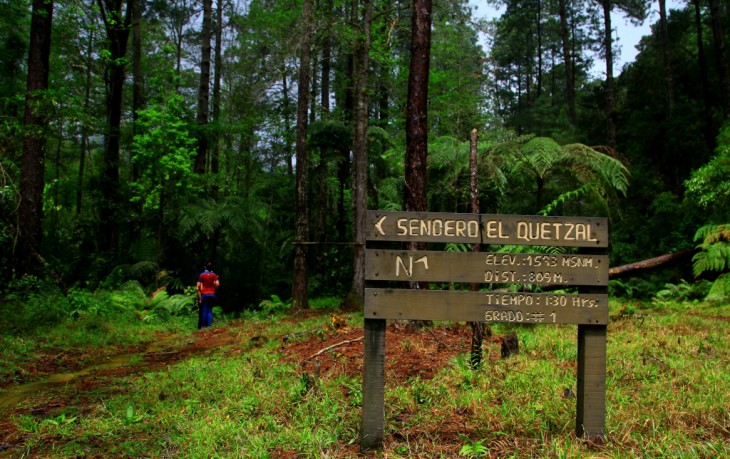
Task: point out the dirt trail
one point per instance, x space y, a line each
59 381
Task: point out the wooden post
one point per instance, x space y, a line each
590 413
590 417
373 385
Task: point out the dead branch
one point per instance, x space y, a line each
651 263
341 343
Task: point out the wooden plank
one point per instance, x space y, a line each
468 306
493 268
373 385
591 390
487 229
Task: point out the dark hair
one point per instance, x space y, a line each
209 265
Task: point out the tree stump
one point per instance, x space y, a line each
510 345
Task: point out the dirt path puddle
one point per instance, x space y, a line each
14 395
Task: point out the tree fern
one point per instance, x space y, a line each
714 254
593 172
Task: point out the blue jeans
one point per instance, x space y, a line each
205 317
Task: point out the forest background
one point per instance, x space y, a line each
143 137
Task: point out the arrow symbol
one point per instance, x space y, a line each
379 225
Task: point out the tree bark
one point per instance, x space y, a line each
204 88
477 328
417 116
567 61
137 83
326 64
538 23
215 149
287 125
667 61
84 126
30 211
417 108
723 67
704 79
117 29
610 91
360 146
299 291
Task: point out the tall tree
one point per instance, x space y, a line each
32 182
567 59
666 58
704 79
723 67
417 107
117 25
215 152
611 113
636 10
137 76
204 87
299 290
360 143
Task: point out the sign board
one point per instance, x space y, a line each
587 271
460 306
487 229
487 268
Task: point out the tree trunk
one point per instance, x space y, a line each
667 61
215 148
538 23
299 291
326 64
287 126
417 108
343 171
204 88
704 79
137 83
30 211
723 68
567 61
84 126
610 91
117 30
360 146
477 328
417 116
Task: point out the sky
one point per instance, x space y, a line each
628 34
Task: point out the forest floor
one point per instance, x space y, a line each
335 348
290 387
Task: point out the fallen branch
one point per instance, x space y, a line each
651 263
341 343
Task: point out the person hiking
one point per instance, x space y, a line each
207 284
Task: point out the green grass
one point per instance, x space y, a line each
668 395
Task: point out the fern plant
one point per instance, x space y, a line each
714 249
590 171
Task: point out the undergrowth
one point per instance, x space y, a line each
35 316
668 371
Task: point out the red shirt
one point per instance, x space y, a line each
208 281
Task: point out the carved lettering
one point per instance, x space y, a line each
546 232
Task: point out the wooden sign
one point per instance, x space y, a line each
487 229
466 306
488 268
588 308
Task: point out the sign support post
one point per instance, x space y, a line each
373 382
591 395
